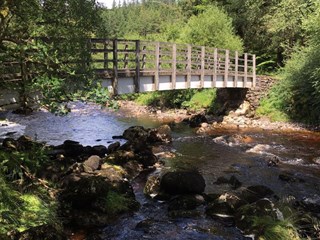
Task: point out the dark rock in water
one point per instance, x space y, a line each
99 150
233 181
47 232
121 157
182 182
93 162
289 177
72 149
145 225
139 137
113 147
311 204
185 202
255 193
225 204
147 158
196 120
136 133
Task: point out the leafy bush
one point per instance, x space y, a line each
212 28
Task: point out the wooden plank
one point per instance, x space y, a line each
215 67
254 70
174 66
236 69
189 65
115 67
137 74
226 68
245 70
157 66
203 52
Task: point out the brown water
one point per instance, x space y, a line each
90 125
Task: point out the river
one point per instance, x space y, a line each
214 156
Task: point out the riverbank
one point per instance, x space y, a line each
239 119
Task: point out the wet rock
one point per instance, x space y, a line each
233 181
121 157
196 120
132 168
185 202
263 208
225 204
145 225
93 162
311 204
47 232
113 147
72 149
152 186
99 150
259 148
25 143
147 158
289 177
271 159
255 193
182 182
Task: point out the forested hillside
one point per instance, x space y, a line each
282 33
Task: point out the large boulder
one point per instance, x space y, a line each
182 182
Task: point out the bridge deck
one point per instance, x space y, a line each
129 66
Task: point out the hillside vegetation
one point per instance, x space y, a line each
284 34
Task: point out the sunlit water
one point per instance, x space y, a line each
91 125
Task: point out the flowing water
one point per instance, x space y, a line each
214 156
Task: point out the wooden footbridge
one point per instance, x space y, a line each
128 66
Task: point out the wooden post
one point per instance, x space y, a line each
125 57
105 55
215 67
245 70
144 57
157 66
189 66
254 70
115 67
137 75
236 69
226 68
174 66
203 52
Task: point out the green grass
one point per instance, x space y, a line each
201 99
116 203
148 99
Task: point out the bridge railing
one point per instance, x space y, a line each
148 66
124 59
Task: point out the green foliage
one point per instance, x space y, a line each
148 99
201 99
298 94
269 229
13 164
193 99
19 212
212 28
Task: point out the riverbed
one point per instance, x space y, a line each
244 154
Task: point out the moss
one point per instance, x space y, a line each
116 203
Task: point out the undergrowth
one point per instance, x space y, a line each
189 99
